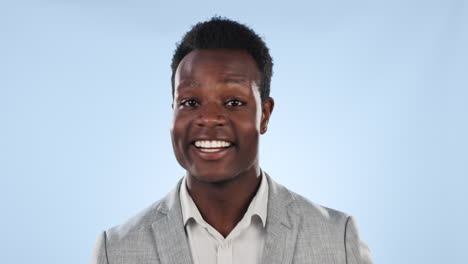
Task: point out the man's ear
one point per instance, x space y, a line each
267 109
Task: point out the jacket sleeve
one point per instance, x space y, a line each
357 251
100 251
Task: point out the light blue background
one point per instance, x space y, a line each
370 118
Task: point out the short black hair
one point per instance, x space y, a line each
223 33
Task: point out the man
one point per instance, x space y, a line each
226 209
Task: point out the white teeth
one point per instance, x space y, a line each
209 149
205 144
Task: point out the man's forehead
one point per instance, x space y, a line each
229 64
228 80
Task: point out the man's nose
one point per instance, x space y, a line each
211 115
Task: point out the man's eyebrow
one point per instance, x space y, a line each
234 75
188 83
235 78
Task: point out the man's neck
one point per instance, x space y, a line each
223 205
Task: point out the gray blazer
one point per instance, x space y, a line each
298 231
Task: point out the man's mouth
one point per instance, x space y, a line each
211 145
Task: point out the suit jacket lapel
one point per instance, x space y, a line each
169 231
282 226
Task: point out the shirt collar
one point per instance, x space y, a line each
258 206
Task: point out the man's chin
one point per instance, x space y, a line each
214 178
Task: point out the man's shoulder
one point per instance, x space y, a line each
309 209
313 213
131 240
317 221
139 223
324 234
142 222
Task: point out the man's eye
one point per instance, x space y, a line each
234 102
189 103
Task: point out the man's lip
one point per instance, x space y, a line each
222 152
212 139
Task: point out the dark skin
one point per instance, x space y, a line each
217 98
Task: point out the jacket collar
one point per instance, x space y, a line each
281 227
169 233
258 205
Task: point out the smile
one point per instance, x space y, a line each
211 145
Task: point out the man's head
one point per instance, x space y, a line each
220 33
219 109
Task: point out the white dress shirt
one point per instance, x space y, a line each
244 245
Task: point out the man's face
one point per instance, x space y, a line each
218 114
